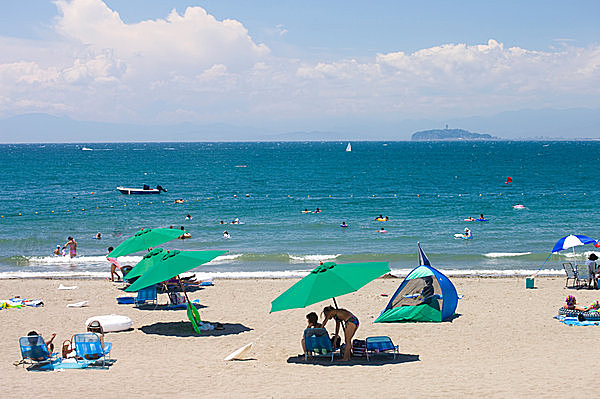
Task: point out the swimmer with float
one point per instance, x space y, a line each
343 225
465 236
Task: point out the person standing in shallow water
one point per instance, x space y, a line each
72 244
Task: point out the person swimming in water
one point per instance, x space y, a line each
343 224
226 235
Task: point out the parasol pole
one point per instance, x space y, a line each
335 303
183 288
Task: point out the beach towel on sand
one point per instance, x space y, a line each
572 321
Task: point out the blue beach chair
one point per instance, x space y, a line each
89 348
34 350
146 295
316 341
380 344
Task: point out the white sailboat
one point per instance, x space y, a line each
349 148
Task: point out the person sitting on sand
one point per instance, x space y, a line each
350 326
49 344
313 322
571 304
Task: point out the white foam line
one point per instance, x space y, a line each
491 273
505 254
53 275
287 274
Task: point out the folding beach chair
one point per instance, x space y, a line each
146 295
380 344
34 350
568 266
583 274
89 348
316 341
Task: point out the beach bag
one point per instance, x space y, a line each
176 298
359 347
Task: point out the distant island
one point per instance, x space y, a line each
450 134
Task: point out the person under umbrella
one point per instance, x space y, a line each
350 324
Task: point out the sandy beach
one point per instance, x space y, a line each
503 343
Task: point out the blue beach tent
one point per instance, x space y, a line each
424 295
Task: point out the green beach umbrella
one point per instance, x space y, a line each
146 263
145 239
171 264
327 281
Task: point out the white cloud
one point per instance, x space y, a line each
194 39
191 66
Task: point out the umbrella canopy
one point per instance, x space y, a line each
146 263
571 241
145 239
170 264
328 281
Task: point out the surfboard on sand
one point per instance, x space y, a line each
240 353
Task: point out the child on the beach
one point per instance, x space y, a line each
571 304
114 265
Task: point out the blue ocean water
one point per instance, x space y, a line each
426 189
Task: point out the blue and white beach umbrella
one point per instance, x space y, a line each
571 241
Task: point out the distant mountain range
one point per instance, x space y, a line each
450 134
544 124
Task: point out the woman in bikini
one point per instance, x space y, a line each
350 325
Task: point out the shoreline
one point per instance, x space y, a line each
285 275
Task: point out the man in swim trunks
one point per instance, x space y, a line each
72 244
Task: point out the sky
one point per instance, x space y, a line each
290 65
